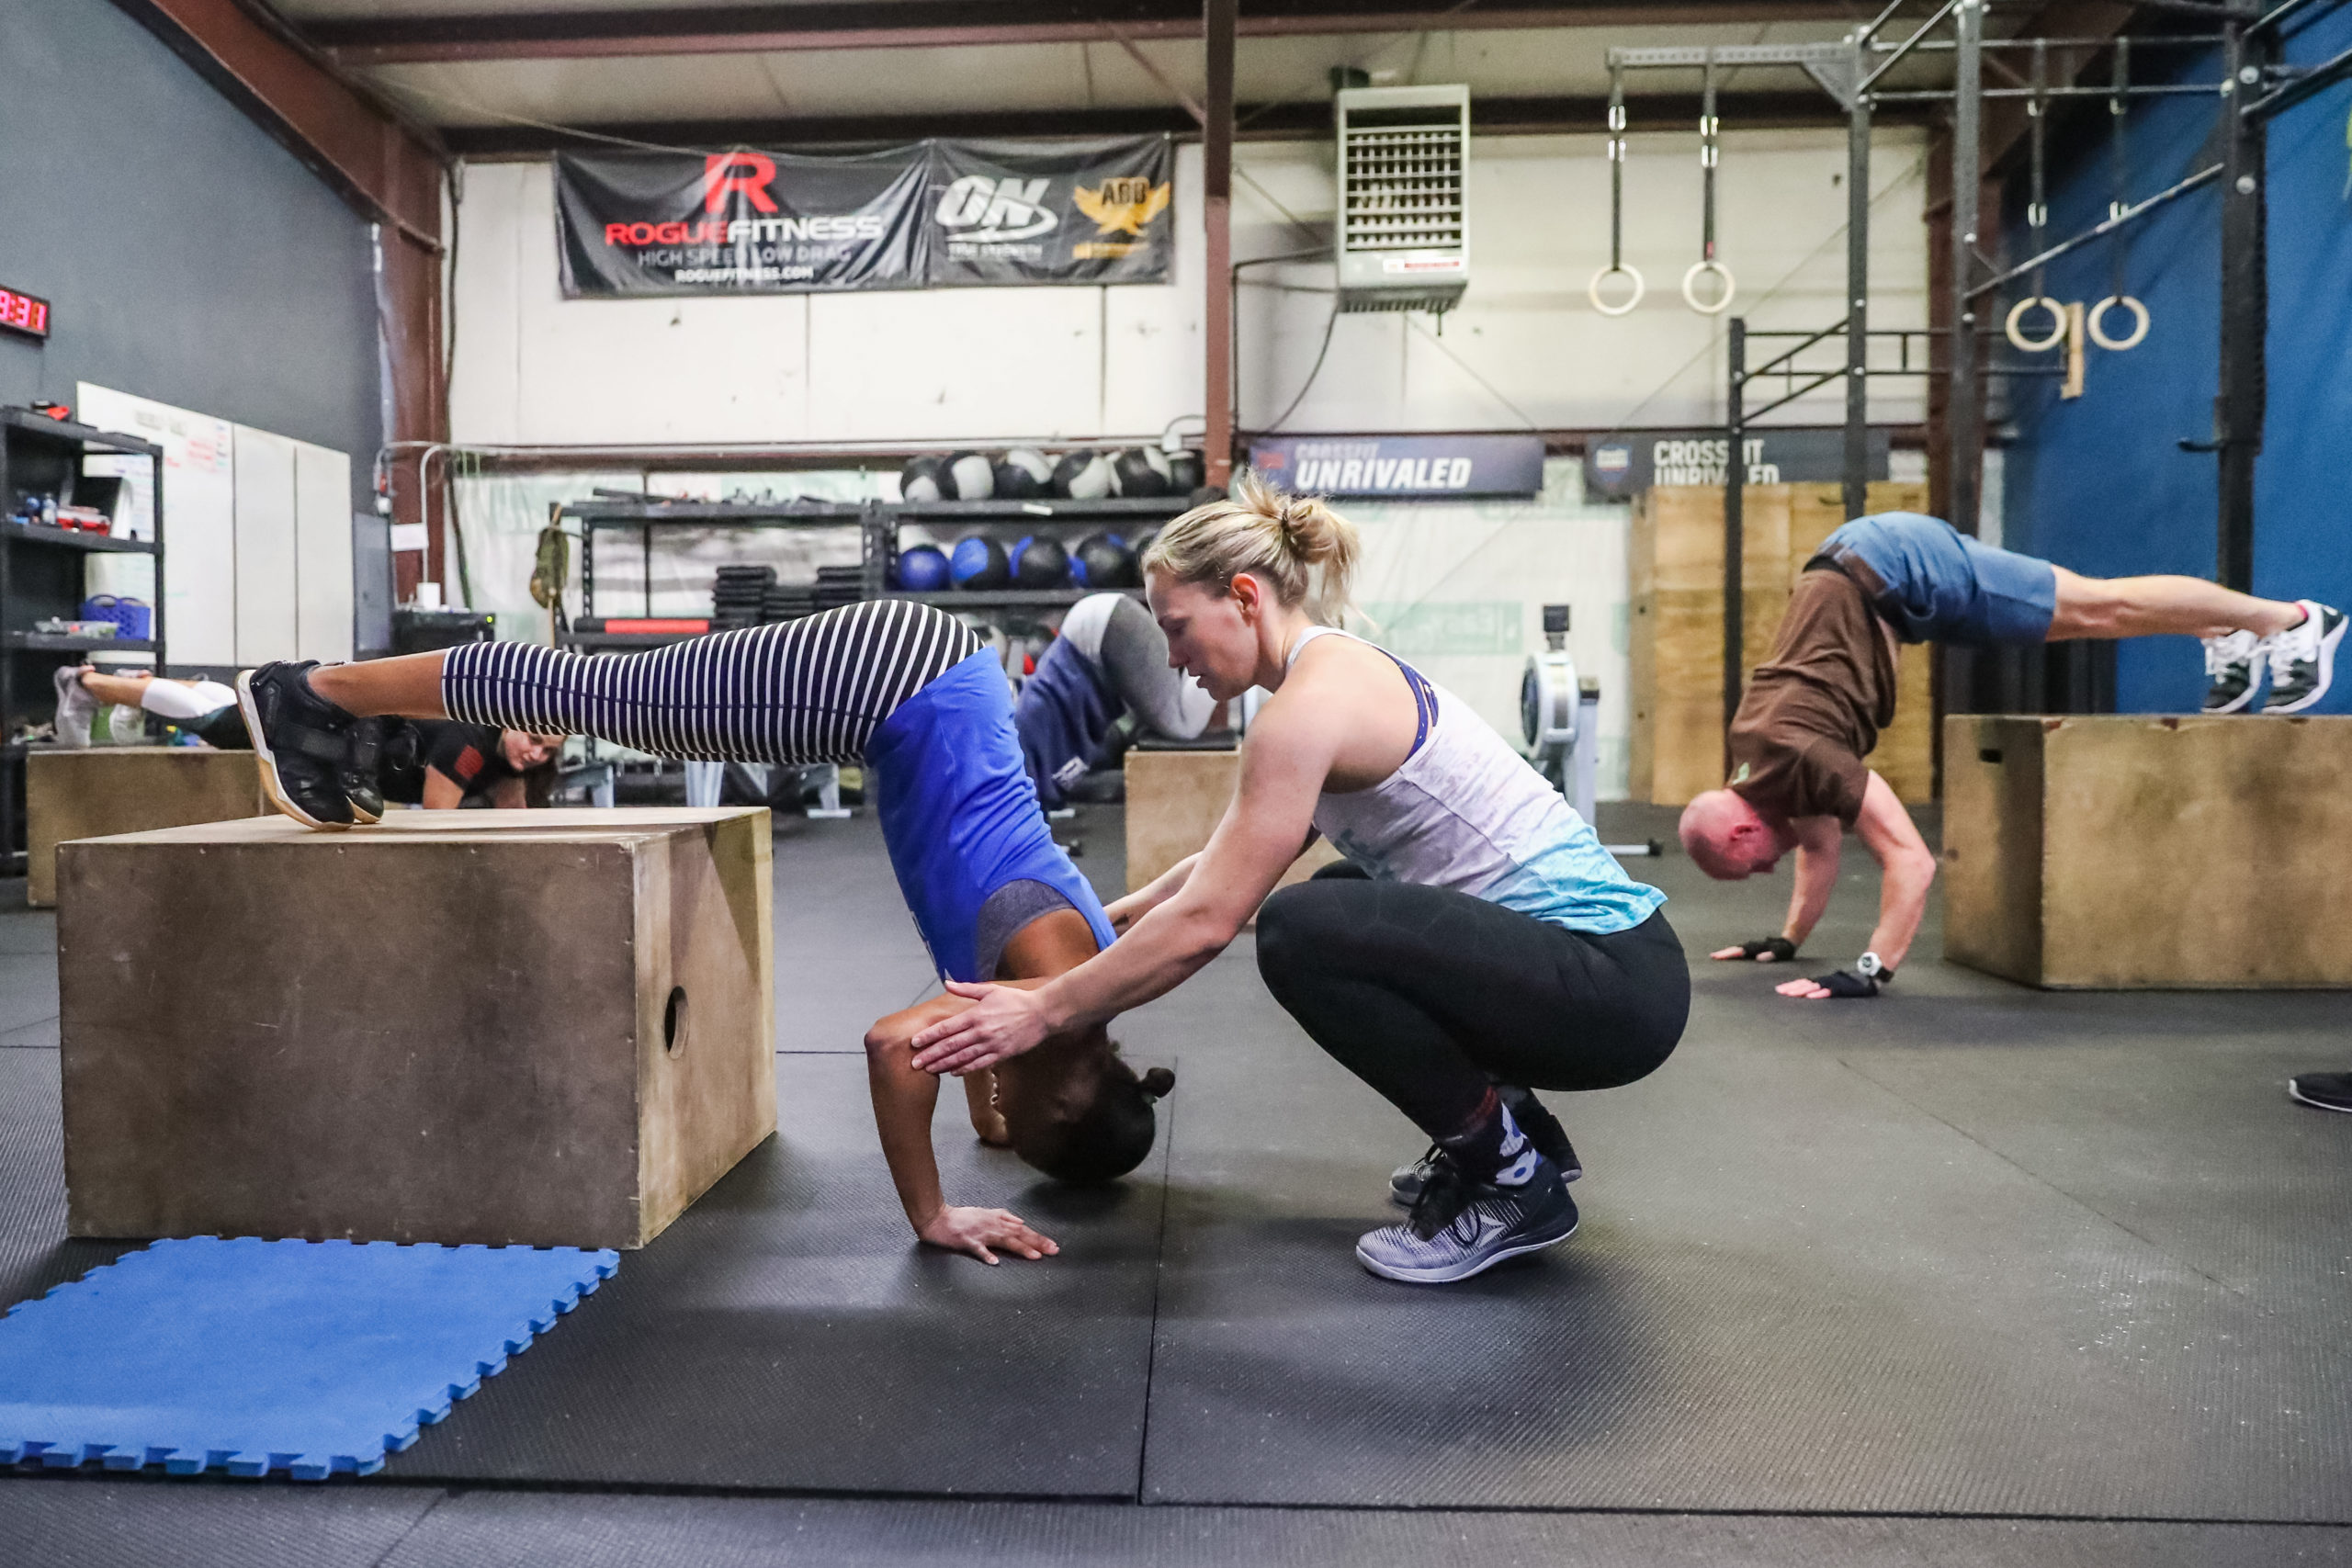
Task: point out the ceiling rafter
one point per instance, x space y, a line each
916 24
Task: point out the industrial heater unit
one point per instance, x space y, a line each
1404 239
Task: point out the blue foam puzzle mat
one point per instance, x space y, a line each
314 1358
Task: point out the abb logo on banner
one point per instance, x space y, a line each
747 172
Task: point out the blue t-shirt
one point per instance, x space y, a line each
959 815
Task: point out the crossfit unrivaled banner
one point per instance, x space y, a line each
1072 210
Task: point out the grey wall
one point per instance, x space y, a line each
188 256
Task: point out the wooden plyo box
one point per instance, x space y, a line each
89 791
2130 851
548 1028
1175 799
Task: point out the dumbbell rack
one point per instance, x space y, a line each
649 516
1009 518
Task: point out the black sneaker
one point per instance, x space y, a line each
361 775
1542 1130
2329 1091
1460 1227
2232 670
2302 658
301 741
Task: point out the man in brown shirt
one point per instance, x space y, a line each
1813 711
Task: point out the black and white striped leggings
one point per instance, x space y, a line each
807 691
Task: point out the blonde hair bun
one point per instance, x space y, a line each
1295 544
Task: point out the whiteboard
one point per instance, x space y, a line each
265 575
199 520
322 625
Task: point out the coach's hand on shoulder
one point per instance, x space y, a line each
1004 1021
975 1232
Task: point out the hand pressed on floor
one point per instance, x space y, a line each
974 1232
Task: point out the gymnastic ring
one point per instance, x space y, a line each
1592 289
2017 314
1699 269
2139 324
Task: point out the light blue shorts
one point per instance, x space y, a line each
1939 585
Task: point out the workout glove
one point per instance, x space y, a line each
1780 947
1842 984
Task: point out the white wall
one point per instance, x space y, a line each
1525 348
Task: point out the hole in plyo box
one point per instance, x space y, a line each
673 1021
1988 755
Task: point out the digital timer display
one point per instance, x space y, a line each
23 313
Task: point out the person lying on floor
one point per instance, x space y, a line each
902 688
437 765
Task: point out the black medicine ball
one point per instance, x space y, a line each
1083 476
1185 472
1040 563
924 478
1024 472
1103 560
978 562
1140 470
972 475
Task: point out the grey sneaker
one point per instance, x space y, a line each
2232 670
75 707
2302 658
1460 1227
1542 1130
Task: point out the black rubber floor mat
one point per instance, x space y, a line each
1793 1290
787 1332
87 1522
34 1254
511 1530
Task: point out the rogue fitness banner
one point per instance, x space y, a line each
1092 209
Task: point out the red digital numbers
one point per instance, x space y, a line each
24 313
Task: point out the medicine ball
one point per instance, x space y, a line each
1082 475
924 478
1140 470
1040 563
978 563
1185 472
972 477
922 569
1103 560
1023 473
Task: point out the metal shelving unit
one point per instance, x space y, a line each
878 525
41 578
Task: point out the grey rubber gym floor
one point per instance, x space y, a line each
1970 1274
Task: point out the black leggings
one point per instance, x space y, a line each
1432 996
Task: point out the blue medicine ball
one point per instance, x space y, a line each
922 569
978 562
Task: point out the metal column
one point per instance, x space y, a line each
1735 523
2246 300
1964 410
1857 290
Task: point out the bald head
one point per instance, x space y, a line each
1727 838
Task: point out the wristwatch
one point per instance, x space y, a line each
1870 967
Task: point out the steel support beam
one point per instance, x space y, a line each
1260 122
1856 470
1735 527
2245 303
1218 18
950 24
1965 402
